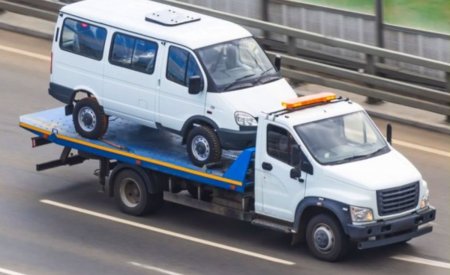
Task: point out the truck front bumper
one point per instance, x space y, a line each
391 231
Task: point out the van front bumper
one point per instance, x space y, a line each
392 231
237 139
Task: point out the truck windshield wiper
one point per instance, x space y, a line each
356 157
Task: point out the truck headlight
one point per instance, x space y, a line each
424 202
245 119
361 214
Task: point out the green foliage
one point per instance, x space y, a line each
433 15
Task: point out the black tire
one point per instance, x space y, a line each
203 146
89 118
131 194
326 239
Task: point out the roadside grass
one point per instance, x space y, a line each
432 15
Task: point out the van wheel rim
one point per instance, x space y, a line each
200 148
87 119
130 193
323 238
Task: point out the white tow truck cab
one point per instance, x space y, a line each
203 78
320 170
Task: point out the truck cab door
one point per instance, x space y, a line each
281 190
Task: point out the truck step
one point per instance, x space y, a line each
184 199
273 225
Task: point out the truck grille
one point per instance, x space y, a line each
395 200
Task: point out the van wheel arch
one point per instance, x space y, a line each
196 120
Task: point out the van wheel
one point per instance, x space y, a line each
89 118
203 146
131 194
325 238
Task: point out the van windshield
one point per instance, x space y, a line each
342 139
237 64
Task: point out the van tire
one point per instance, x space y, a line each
326 239
203 146
132 196
89 118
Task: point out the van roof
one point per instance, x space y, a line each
133 15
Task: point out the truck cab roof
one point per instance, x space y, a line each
160 21
315 112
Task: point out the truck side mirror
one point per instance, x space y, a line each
195 85
389 133
277 63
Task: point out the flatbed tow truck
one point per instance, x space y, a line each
320 171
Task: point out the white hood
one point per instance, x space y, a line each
262 98
381 172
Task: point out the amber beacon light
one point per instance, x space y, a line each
308 100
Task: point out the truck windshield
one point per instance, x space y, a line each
237 64
342 139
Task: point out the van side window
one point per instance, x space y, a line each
181 65
282 146
133 53
83 38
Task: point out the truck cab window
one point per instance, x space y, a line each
181 65
282 146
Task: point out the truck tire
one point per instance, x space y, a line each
326 239
89 118
132 196
203 146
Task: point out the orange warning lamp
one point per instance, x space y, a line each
308 100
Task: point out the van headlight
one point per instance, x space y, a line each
361 214
424 202
245 119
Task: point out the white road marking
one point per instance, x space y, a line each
422 148
153 268
25 53
423 261
9 272
168 233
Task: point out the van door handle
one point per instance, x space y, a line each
267 166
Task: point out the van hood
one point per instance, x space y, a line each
262 98
385 171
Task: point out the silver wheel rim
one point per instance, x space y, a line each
323 238
130 193
87 119
200 148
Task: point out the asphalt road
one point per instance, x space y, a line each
39 237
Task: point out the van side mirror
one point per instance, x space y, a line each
195 85
296 173
277 63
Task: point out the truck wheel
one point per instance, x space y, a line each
203 146
131 194
325 238
89 119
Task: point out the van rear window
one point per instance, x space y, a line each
133 53
83 38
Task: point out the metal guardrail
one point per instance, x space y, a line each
364 83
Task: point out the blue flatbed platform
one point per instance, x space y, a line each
135 144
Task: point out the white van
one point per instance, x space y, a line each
201 77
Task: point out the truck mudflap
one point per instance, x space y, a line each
392 231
